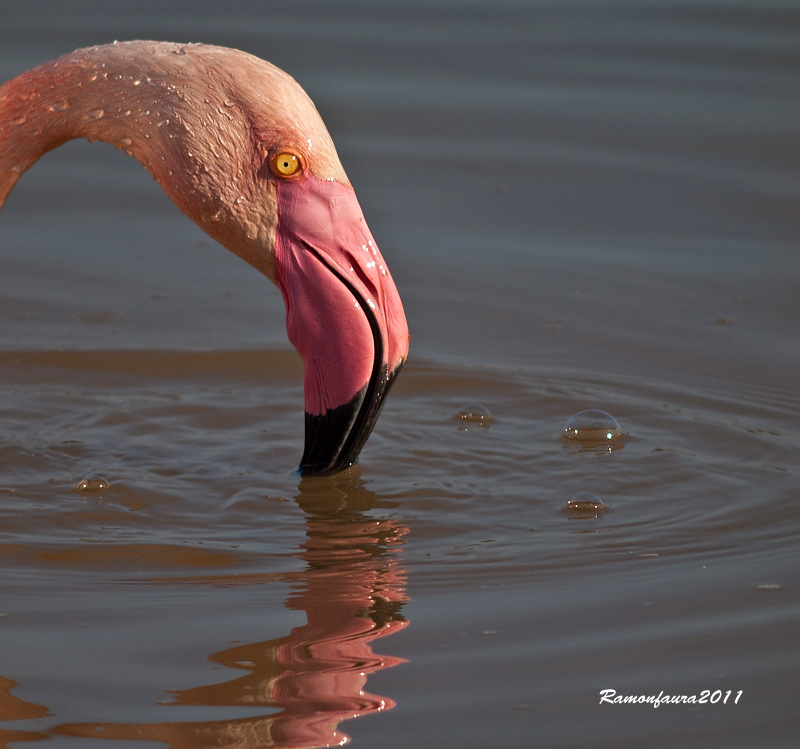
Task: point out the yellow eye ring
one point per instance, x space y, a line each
285 164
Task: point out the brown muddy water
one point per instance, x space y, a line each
585 206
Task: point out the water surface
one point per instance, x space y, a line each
585 206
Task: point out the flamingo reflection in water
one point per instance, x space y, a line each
13 708
352 592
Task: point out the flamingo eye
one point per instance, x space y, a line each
285 164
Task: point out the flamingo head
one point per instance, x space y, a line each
240 148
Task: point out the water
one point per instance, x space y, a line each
586 207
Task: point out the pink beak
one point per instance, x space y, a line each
343 314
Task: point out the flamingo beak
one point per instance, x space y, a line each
343 314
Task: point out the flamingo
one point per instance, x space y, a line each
240 148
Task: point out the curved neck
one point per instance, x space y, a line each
193 138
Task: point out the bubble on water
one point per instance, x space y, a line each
585 503
473 414
585 507
92 484
593 427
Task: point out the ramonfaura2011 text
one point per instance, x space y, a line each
706 697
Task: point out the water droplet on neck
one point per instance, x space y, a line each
59 106
95 114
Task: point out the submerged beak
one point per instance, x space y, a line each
343 314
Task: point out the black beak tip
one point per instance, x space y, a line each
329 448
330 469
334 439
